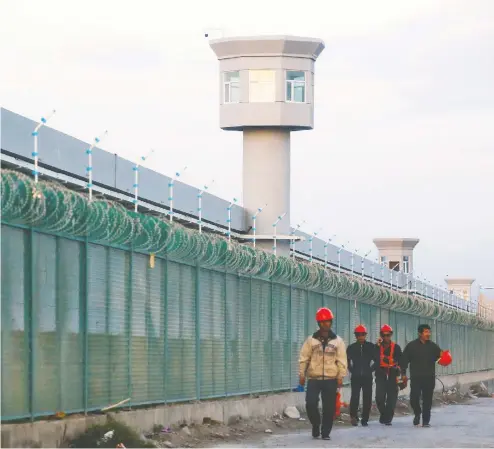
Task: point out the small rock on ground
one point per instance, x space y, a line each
292 412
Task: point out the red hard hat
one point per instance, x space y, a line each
324 314
360 329
445 359
386 328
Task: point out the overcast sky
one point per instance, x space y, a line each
404 139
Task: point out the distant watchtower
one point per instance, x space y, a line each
267 91
397 254
461 287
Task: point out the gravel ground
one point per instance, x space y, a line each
463 425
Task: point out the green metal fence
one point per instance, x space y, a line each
86 325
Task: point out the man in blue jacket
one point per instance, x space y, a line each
361 365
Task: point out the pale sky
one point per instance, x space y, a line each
403 144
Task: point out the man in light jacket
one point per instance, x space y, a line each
323 361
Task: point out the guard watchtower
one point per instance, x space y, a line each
267 91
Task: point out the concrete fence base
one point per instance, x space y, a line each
53 433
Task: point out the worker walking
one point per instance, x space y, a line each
387 358
361 364
422 354
323 361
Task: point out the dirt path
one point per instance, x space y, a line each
462 425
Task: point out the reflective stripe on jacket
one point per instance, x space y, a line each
387 361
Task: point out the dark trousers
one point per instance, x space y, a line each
365 384
422 386
386 396
327 390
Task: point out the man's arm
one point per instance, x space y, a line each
398 355
377 356
304 360
341 361
374 364
405 360
439 352
349 358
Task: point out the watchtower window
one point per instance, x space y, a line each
262 86
295 86
406 264
231 87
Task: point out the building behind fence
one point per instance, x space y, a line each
85 325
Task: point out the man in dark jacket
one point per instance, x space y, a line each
361 364
387 358
421 354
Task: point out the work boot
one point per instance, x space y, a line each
381 419
354 422
316 432
388 423
326 437
426 425
416 421
365 424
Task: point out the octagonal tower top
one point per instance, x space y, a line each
267 81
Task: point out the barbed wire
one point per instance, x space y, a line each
53 208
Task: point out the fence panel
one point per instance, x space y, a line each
87 325
46 344
181 333
365 316
156 324
117 326
280 334
355 318
332 304
16 287
212 311
375 323
70 306
344 312
98 338
299 331
261 335
315 303
238 348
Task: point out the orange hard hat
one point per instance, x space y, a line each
386 328
360 329
324 314
445 359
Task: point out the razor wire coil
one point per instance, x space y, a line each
53 208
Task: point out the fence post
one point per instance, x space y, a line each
198 335
60 323
30 312
165 327
271 339
129 324
250 335
86 327
225 323
290 344
306 324
107 319
335 329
